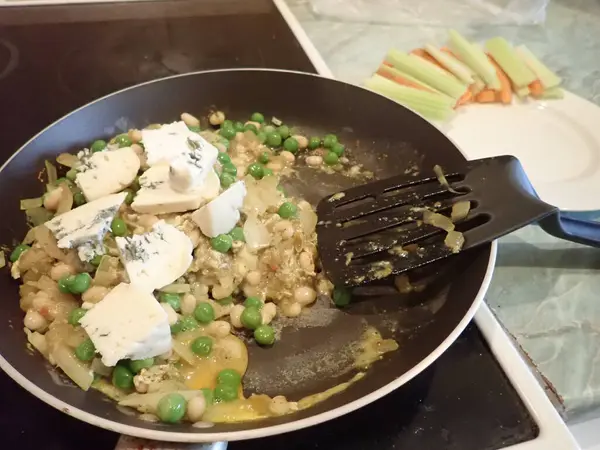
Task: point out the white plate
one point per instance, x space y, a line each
557 141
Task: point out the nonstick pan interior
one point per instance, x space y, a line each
312 354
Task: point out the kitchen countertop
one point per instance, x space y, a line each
544 290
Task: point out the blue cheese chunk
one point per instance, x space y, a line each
157 196
164 144
188 171
221 215
84 227
156 258
106 172
127 324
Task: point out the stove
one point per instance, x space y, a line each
479 395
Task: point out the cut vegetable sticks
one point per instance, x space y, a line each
421 53
547 78
506 57
451 64
474 57
536 89
505 93
486 96
405 80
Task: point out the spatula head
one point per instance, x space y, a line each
376 230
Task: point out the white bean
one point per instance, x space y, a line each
219 292
306 262
314 161
284 227
256 124
302 141
354 170
196 407
344 160
253 277
87 305
216 118
188 304
291 309
275 166
219 328
171 314
268 313
135 135
52 199
140 386
200 289
94 294
35 321
235 316
288 157
279 406
241 268
305 295
61 270
190 120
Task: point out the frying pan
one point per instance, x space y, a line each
311 355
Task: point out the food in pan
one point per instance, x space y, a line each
162 253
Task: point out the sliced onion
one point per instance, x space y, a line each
38 216
442 179
99 368
184 352
402 283
29 203
256 233
68 160
308 219
38 341
80 373
176 288
437 220
51 171
454 241
460 210
66 200
2 259
46 239
30 236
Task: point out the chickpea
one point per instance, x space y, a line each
35 321
61 270
314 161
305 295
52 199
190 120
253 277
216 118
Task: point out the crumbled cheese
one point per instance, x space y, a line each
221 215
166 143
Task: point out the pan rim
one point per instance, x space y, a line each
257 432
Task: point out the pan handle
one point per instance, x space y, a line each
132 443
584 232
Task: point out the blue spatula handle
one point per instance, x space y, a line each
584 232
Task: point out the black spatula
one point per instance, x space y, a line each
376 230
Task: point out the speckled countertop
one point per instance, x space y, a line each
545 291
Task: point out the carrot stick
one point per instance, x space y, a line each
450 52
427 57
486 96
505 93
467 97
536 88
387 63
400 80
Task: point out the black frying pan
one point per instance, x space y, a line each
384 136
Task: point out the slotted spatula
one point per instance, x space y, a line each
375 230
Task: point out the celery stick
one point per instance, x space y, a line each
398 73
548 78
453 65
506 57
554 93
430 105
474 57
426 72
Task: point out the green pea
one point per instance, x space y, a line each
18 251
238 126
96 260
338 149
85 351
237 234
194 128
204 313
129 196
81 283
221 243
331 159
314 142
186 323
256 170
251 317
225 393
253 302
76 315
264 157
71 174
329 140
284 131
341 296
224 142
122 377
227 124
227 179
118 227
79 199
136 365
171 408
287 210
209 396
123 140
229 168
172 299
65 283
227 133
251 127
274 139
202 346
262 137
267 172
229 377
226 301
269 129
223 158
264 335
98 146
291 145
257 117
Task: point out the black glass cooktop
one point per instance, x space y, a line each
54 59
